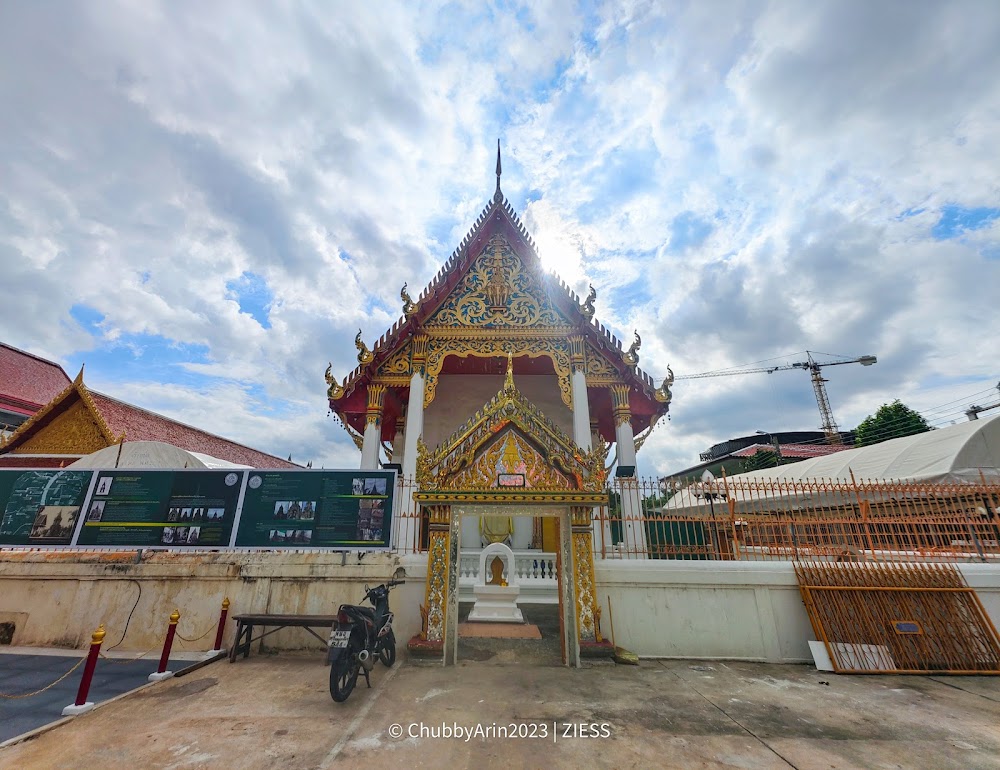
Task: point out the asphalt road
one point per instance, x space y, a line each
21 674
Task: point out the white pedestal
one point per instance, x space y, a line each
73 710
160 677
496 604
214 654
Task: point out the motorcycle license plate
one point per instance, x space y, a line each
339 637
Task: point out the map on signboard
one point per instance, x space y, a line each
41 507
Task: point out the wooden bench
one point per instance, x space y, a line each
245 625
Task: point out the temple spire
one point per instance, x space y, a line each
498 196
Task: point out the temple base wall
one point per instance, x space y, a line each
57 598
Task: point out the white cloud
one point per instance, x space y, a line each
739 182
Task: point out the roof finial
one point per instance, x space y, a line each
508 380
498 196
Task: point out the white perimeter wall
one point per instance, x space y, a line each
704 609
733 610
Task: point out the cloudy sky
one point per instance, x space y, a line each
205 201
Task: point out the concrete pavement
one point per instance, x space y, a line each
275 710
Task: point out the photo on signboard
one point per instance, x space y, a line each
194 535
197 514
173 514
104 485
374 487
181 535
215 514
278 536
358 486
54 522
185 514
307 510
96 510
167 538
281 508
302 537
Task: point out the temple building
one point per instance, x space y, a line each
76 422
501 396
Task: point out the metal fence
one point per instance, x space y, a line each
741 519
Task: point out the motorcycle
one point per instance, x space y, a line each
360 637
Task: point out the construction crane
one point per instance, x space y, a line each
819 388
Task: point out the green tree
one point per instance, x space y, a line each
890 421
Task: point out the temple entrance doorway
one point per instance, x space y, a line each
548 634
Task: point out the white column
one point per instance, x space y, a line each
398 440
633 528
581 410
412 432
370 446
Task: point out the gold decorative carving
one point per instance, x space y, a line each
583 577
631 356
436 596
557 350
510 426
335 390
376 398
409 306
663 393
397 365
419 356
588 306
600 370
497 291
620 405
577 352
73 432
365 356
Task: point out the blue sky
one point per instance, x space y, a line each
204 203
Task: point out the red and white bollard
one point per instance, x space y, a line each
82 705
161 670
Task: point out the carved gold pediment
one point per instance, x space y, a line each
510 435
74 431
498 292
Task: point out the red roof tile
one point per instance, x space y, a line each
140 425
791 450
28 382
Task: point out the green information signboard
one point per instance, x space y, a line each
346 510
168 509
41 507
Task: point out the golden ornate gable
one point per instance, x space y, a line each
510 432
499 293
69 424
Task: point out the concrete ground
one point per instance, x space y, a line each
275 710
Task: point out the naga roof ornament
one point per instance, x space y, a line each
588 307
365 356
335 389
409 306
631 356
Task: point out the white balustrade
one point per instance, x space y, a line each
535 572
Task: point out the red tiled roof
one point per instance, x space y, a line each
140 425
791 450
28 382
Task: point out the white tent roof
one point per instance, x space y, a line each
956 453
149 454
966 452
